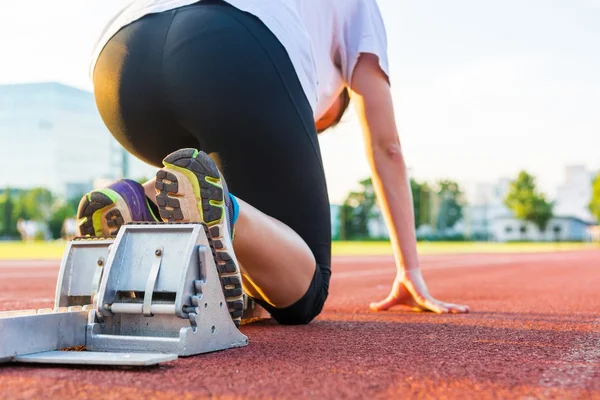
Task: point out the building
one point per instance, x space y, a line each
559 229
488 218
574 195
486 206
52 136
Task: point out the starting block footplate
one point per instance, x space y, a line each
28 334
96 358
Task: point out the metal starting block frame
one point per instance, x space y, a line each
146 297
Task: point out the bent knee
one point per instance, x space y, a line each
309 306
300 315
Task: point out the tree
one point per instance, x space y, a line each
35 204
421 195
595 200
451 204
357 210
8 214
527 203
59 214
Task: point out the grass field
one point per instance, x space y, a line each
54 250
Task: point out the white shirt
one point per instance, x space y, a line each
323 38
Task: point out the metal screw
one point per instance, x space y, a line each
100 262
158 252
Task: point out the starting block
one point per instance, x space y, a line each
148 296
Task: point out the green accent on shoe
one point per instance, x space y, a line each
111 194
214 181
157 219
216 203
196 152
97 216
195 185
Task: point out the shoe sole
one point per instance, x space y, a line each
189 171
102 213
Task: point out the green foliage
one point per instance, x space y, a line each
527 203
74 202
8 224
59 214
38 204
542 212
356 212
422 198
451 204
360 206
35 204
595 200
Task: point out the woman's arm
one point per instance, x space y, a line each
373 101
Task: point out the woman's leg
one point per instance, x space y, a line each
231 84
264 244
276 262
254 245
218 80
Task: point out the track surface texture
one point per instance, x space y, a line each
534 332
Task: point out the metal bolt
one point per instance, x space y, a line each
158 252
100 262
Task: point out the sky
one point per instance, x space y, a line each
482 89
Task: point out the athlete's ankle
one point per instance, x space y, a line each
235 209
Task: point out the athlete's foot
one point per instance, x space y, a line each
190 188
102 212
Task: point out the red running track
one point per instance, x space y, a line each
534 332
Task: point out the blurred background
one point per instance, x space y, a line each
497 104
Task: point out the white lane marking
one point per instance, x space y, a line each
440 264
428 262
28 275
578 365
446 265
426 259
5 264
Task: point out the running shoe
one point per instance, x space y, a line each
102 212
190 188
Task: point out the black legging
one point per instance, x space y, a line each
212 77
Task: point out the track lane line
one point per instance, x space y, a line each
43 264
28 275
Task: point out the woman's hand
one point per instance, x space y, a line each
410 290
